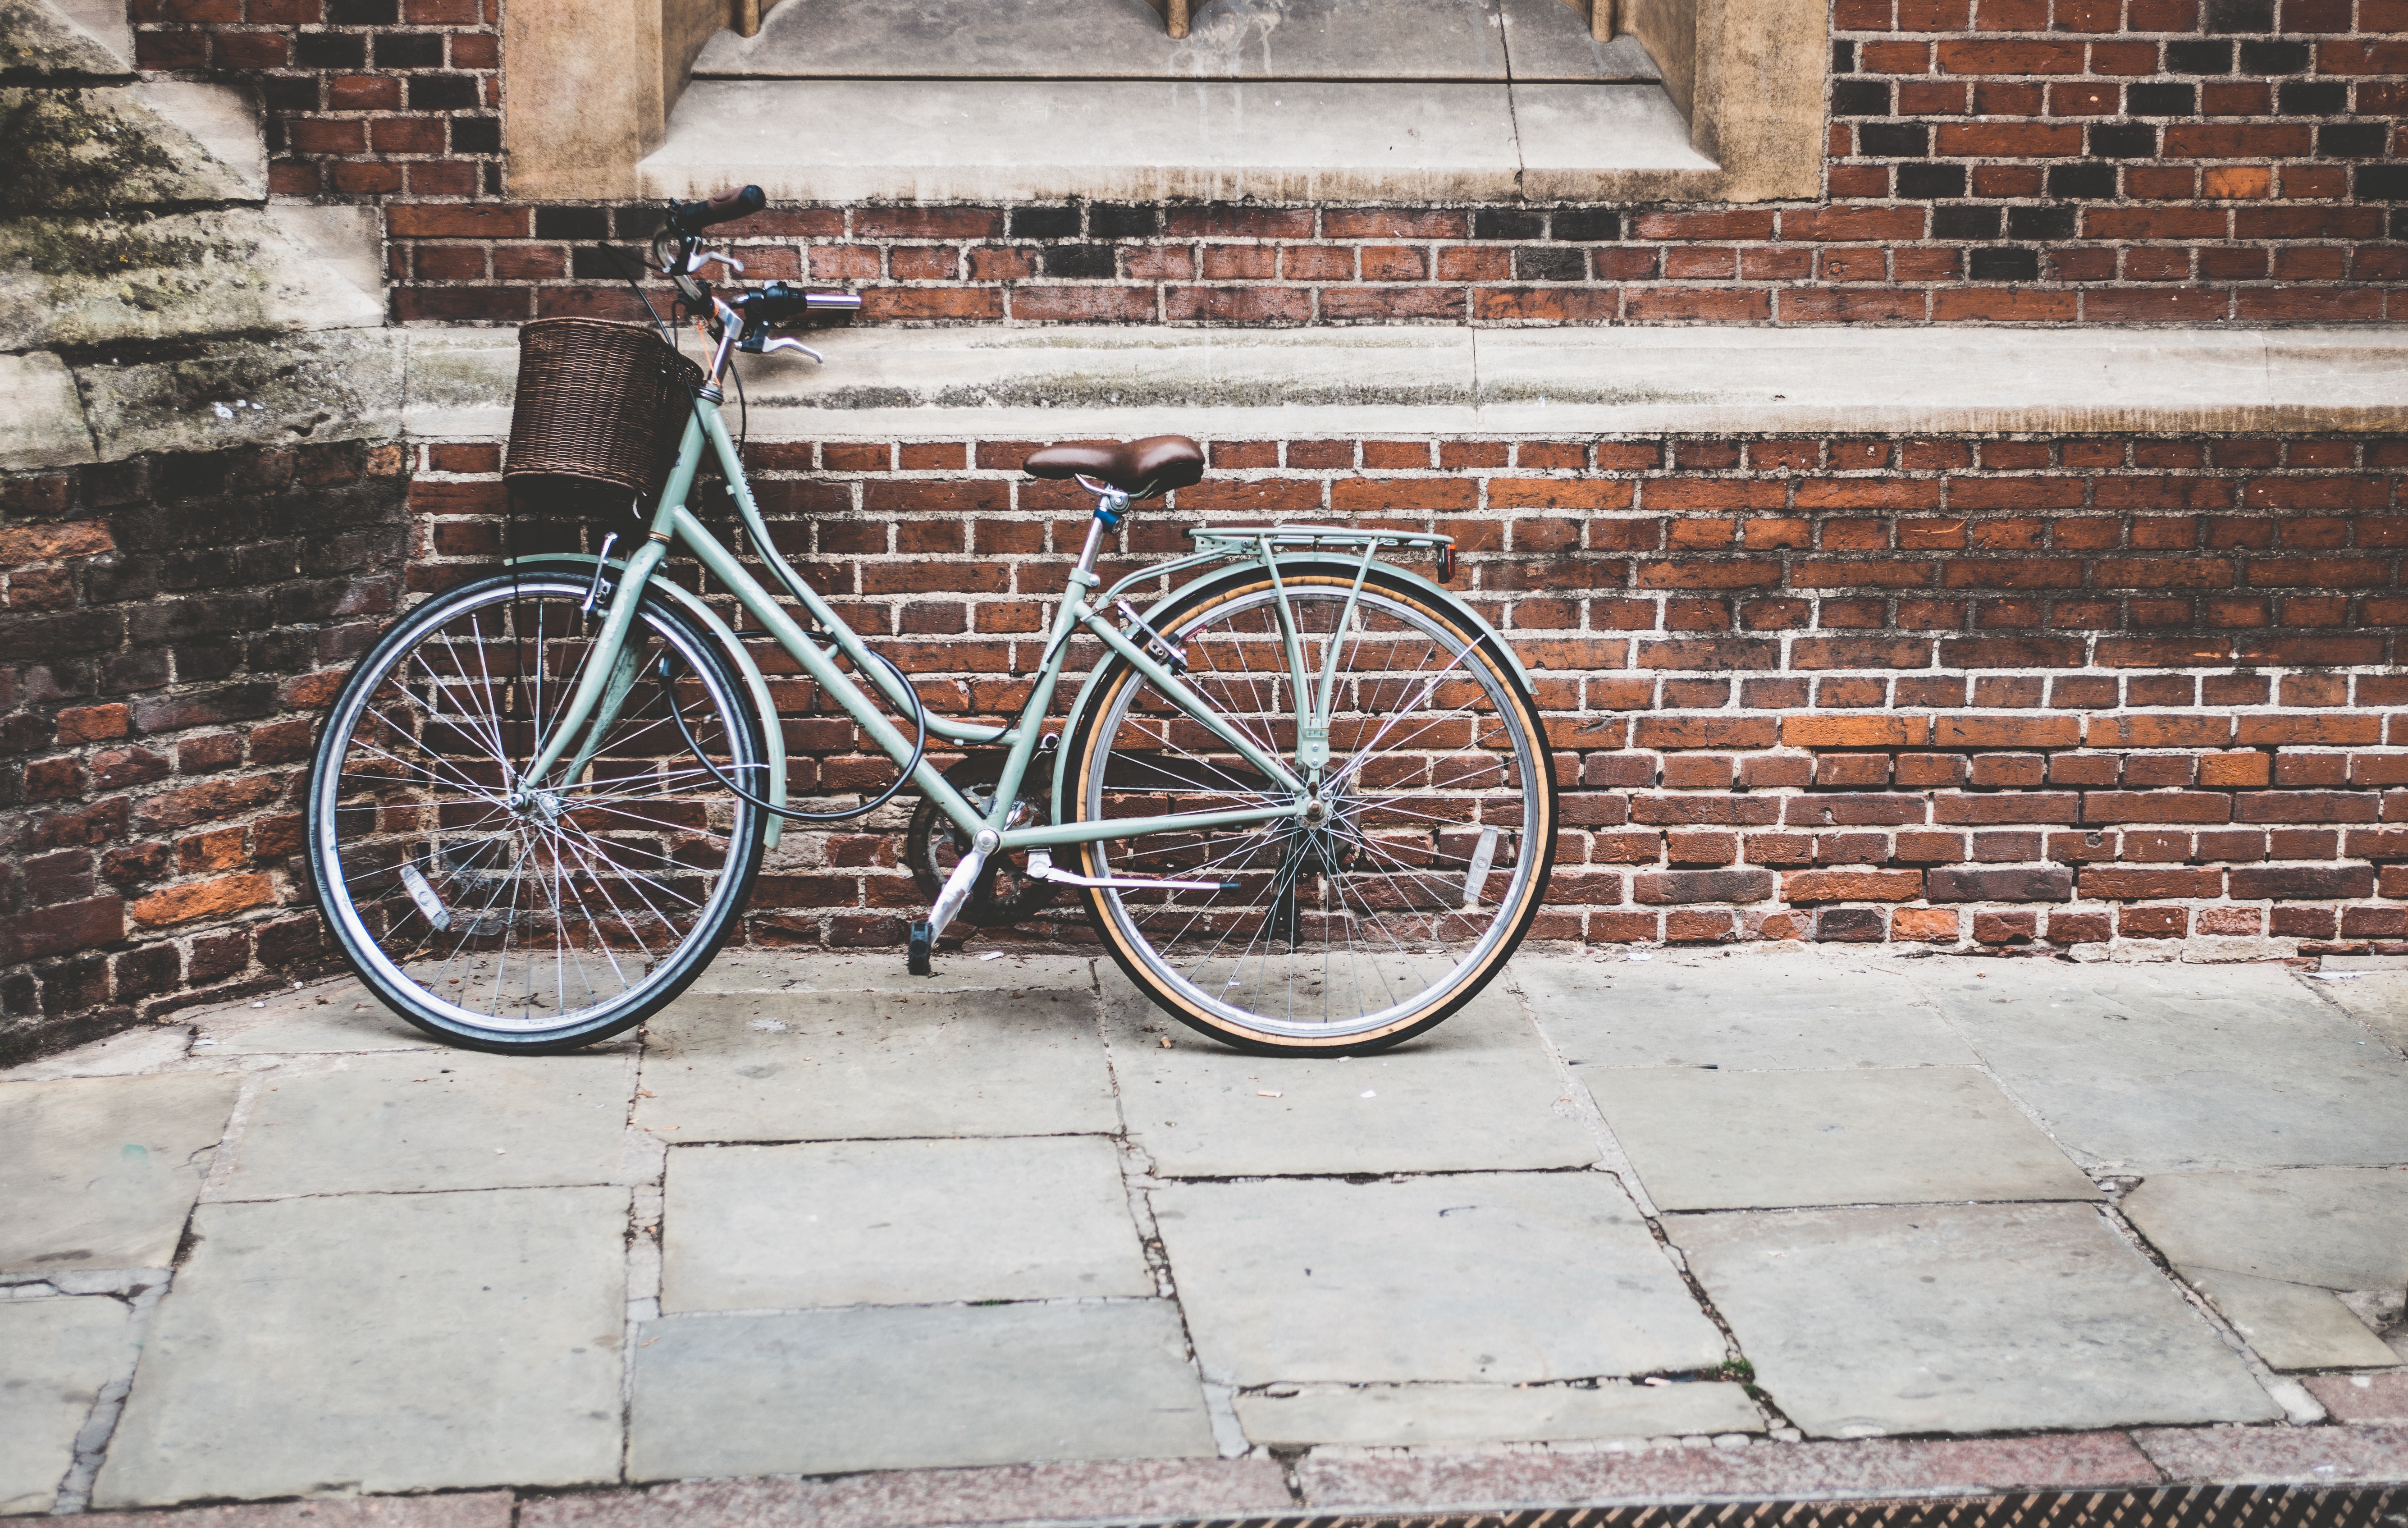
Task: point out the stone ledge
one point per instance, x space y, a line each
913 140
1061 383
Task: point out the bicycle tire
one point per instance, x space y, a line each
424 781
1226 629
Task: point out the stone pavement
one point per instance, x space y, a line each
830 1243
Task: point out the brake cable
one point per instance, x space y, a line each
919 750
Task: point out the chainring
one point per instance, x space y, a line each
933 845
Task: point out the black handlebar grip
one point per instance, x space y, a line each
693 217
778 305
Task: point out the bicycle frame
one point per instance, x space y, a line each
674 524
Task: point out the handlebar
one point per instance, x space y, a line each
777 305
691 218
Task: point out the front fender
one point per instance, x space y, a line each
1489 635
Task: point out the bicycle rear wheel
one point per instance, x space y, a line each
1413 879
511 915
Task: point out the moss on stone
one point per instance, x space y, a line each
70 153
35 40
102 248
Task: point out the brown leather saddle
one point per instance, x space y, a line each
1140 468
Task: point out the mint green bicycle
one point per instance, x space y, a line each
1307 796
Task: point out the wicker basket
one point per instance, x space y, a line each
600 405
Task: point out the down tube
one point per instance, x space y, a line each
725 568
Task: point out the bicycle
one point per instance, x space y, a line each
1307 796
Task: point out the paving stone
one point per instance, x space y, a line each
1736 1012
873 1388
2268 1247
100 1174
455 1510
412 1122
1379 1416
2270 1456
883 971
821 1066
1478 1091
2363 1397
123 1055
2376 995
2293 1326
895 1223
2337 1227
1961 1318
1141 1490
56 1355
1780 1138
2174 1068
329 1017
1502 1277
382 1343
1874 1467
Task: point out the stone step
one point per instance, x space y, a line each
1499 40
1006 140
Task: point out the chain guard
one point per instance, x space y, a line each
933 845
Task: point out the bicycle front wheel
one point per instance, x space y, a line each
509 914
1414 871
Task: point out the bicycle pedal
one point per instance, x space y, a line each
917 962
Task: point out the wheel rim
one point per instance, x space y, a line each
1354 922
494 904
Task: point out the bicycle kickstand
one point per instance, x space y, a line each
950 901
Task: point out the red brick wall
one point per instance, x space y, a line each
1986 693
1983 692
2024 161
168 629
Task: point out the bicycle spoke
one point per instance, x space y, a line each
1352 917
478 905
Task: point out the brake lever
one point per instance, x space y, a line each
704 257
771 347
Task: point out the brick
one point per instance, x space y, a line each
1929 924
1959 885
2022 807
1886 731
1854 810
1702 885
2304 806
2124 884
2152 922
411 220
1703 732
2001 732
61 930
219 898
1837 886
1851 925
2109 806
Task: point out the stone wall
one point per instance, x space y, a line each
2004 161
2129 695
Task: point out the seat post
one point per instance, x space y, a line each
1110 504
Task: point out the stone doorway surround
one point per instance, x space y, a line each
1345 100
